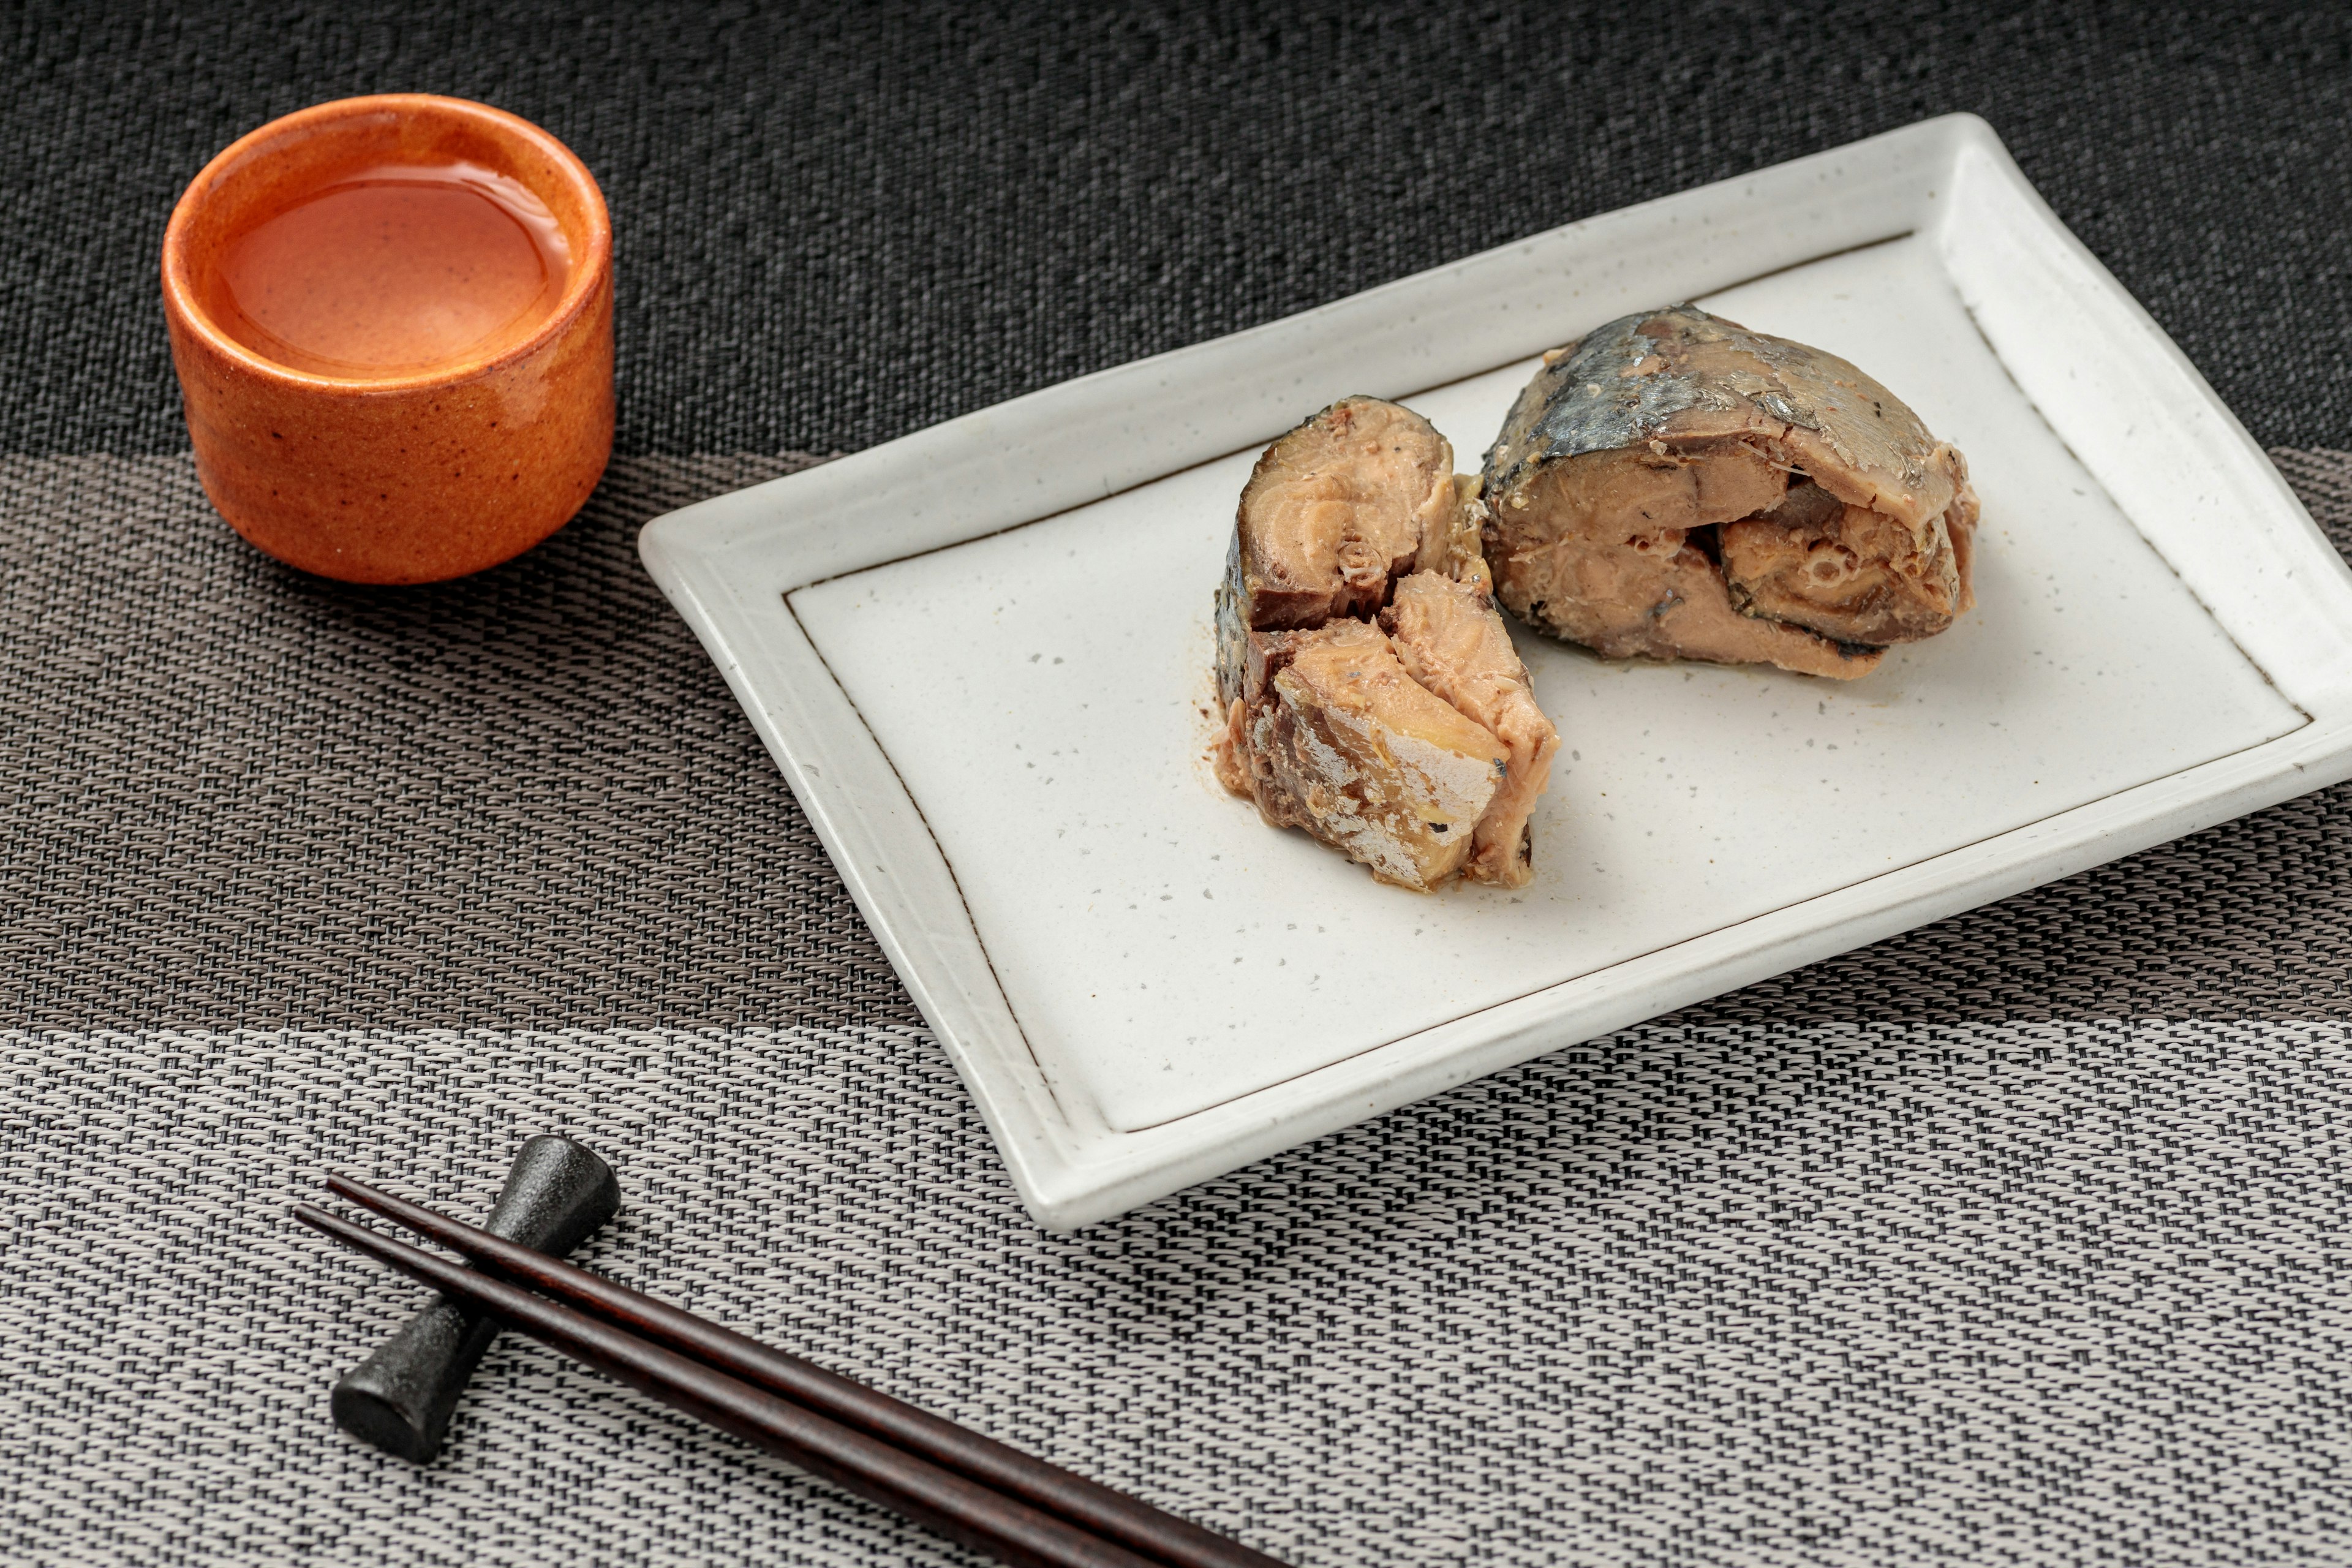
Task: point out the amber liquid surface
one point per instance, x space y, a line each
394 271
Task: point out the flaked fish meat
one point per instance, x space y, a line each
1449 638
1677 486
1346 744
1372 697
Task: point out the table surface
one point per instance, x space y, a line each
2017 1239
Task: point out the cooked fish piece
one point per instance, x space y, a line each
1450 638
1334 512
1676 485
1422 757
1337 738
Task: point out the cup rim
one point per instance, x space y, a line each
182 304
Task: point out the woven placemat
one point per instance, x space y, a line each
2016 1239
2048 1294
233 797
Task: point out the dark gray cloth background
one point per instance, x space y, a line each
838 224
2016 1240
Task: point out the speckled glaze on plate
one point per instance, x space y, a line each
981 654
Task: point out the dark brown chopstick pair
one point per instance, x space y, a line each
969 1488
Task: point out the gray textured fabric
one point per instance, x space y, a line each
837 224
231 794
234 796
2027 1295
1911 1257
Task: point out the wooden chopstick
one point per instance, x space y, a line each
1116 1517
956 1506
1111 1514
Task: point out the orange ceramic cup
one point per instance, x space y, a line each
392 319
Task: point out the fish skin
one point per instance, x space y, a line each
1604 393
1680 388
1547 423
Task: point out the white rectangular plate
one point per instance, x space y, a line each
981 656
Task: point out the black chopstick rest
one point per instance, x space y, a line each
399 1399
